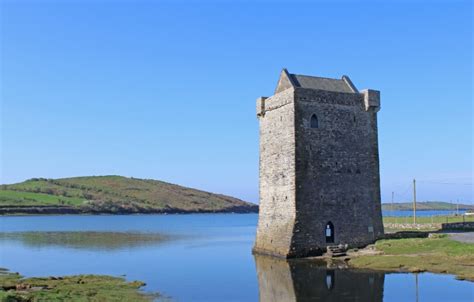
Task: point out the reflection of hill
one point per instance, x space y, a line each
305 280
85 240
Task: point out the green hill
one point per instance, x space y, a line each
114 195
426 205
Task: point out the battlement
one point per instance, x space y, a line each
371 99
261 106
319 89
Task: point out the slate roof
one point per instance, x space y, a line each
338 85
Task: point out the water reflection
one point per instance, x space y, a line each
86 240
304 280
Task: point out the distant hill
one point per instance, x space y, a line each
426 205
112 195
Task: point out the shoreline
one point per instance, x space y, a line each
64 210
435 254
61 210
15 287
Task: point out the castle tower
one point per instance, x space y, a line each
319 167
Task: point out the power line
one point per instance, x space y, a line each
446 183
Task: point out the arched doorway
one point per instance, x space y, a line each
329 232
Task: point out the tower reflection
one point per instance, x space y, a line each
307 280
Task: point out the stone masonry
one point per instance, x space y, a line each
319 167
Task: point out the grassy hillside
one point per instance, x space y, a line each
427 205
112 194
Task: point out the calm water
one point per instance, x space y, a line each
209 259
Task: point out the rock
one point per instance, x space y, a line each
23 286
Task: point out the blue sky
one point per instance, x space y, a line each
167 90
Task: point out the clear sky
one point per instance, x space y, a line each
167 90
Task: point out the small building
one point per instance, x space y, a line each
319 167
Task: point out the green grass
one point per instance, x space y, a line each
70 288
15 198
439 255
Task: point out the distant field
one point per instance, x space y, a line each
426 205
428 220
426 223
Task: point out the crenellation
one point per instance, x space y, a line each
371 99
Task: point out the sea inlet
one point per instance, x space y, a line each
202 257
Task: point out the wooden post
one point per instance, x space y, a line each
414 201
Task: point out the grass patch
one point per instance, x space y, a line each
17 198
13 287
438 254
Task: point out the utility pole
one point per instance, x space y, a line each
416 286
414 201
457 207
392 201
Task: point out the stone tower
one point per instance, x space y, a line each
319 167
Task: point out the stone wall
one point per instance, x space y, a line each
406 234
337 171
461 226
277 174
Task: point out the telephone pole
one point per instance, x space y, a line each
414 201
416 286
392 200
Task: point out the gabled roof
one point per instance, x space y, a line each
288 80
